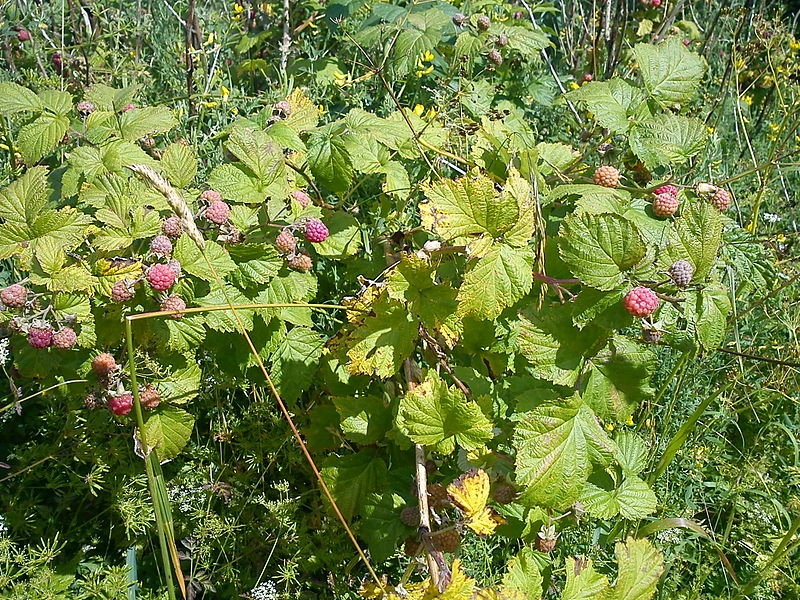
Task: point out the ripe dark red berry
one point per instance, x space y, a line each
607 176
174 302
121 404
149 397
641 301
65 338
666 189
315 231
122 290
14 296
103 364
161 277
40 337
218 212
23 35
57 61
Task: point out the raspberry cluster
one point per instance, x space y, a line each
607 176
410 516
641 301
459 19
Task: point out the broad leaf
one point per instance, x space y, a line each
583 582
352 479
329 160
615 103
640 567
167 431
295 361
40 137
15 98
496 281
696 237
668 139
670 72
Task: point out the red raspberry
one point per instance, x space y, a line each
218 212
128 107
172 227
484 23
23 35
655 3
588 77
14 296
40 337
85 107
447 540
286 242
122 290
160 277
161 246
410 516
681 273
57 61
641 301
495 57
665 205
721 200
607 176
173 302
666 189
211 196
149 397
315 231
300 262
301 197
103 364
504 493
65 338
121 405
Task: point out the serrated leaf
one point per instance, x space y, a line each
631 453
640 567
352 479
615 103
421 36
583 582
150 120
256 264
256 150
208 265
470 493
15 98
185 334
344 239
329 160
381 526
668 139
295 361
183 382
600 248
557 446
180 164
439 416
467 207
670 72
110 99
364 420
696 237
496 281
40 137
522 575
167 430
304 115
711 315
633 499
379 344
23 199
226 320
289 288
56 101
234 184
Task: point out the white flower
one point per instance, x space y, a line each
4 351
266 590
771 217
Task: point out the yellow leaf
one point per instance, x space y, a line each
469 493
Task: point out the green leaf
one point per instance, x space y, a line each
441 417
209 264
422 35
15 98
583 582
150 120
696 237
329 160
289 288
467 207
523 576
110 99
295 361
711 316
668 139
524 40
670 72
186 334
365 420
632 452
345 236
180 164
352 479
380 344
381 526
224 320
23 199
640 567
615 104
56 101
600 248
256 150
256 264
167 431
496 281
40 137
234 184
557 445
633 499
183 382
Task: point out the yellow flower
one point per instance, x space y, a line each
710 129
210 104
342 80
423 72
419 109
209 39
610 427
224 92
794 45
748 99
237 8
750 226
781 238
431 114
320 109
629 421
573 85
234 110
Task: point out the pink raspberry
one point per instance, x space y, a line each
218 212
122 404
65 338
588 77
641 301
301 198
85 107
173 302
607 176
23 35
211 196
665 205
495 57
149 397
315 231
160 277
122 290
103 364
666 189
14 296
284 107
40 337
161 246
172 227
128 107
286 242
721 200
